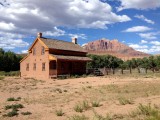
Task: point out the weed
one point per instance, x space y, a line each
58 90
16 106
26 113
89 86
78 108
95 104
12 113
2 78
65 91
78 117
59 112
85 105
124 101
13 99
148 112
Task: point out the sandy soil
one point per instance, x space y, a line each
43 97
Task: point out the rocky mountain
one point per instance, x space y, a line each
113 47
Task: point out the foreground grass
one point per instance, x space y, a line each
86 102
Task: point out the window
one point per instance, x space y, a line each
27 67
34 66
43 50
34 51
43 66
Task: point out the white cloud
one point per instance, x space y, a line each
157 43
12 43
55 32
149 36
144 19
145 48
138 29
143 41
82 36
7 26
31 14
24 51
139 4
137 46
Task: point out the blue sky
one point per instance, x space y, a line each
133 22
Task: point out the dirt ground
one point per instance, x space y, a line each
116 96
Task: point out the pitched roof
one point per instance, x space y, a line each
61 45
72 58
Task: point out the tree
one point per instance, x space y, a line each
152 63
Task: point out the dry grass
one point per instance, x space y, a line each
91 98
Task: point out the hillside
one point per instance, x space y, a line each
113 47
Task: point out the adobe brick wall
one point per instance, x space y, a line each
38 59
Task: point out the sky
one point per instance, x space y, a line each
135 23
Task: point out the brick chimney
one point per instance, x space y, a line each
39 35
74 40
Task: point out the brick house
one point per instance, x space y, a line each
49 58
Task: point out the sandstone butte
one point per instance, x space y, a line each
113 47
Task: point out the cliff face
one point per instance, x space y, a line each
113 47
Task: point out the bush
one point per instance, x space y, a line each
2 78
78 108
26 113
16 106
12 113
78 117
59 112
124 101
85 105
13 99
95 104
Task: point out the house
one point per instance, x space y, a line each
49 58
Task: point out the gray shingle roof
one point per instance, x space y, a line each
62 45
72 58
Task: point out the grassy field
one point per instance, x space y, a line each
113 97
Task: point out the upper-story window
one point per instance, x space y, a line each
43 50
43 66
34 66
27 67
34 51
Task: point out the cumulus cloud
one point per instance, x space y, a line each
82 36
145 48
142 17
55 32
24 51
149 36
11 43
138 29
143 41
137 46
139 4
157 43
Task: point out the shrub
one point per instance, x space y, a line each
26 113
124 101
16 106
12 113
2 78
95 104
78 117
85 105
59 112
78 108
13 99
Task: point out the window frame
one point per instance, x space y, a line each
34 51
43 66
34 66
27 67
42 50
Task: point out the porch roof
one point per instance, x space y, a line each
69 58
